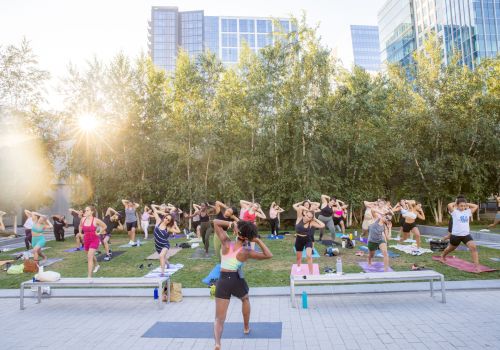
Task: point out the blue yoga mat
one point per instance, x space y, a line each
275 237
378 253
314 254
205 330
213 275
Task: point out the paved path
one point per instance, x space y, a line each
470 320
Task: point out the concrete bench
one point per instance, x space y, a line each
111 282
424 275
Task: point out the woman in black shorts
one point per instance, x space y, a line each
231 281
304 237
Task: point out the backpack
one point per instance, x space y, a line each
348 243
331 251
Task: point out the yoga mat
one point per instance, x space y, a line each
213 275
173 268
378 253
314 253
462 265
377 266
364 240
131 246
195 240
30 252
101 257
200 254
272 237
329 242
495 259
177 236
171 252
408 249
72 250
51 261
304 270
195 245
205 330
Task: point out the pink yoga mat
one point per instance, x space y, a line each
304 270
462 264
377 266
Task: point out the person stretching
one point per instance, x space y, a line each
88 227
497 216
304 238
274 212
231 281
146 214
223 212
28 225
325 216
461 212
131 220
40 223
2 225
338 214
415 211
164 226
111 220
251 211
77 218
378 236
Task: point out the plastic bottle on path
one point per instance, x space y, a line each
138 242
355 233
155 294
339 266
304 300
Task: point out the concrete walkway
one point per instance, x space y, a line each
470 320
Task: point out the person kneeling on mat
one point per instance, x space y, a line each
231 281
378 236
461 212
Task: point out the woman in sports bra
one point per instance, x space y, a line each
338 213
231 281
164 226
251 211
131 220
40 224
91 240
304 238
325 216
410 216
302 207
205 225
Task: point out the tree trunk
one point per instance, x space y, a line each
206 174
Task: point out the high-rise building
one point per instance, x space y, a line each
470 28
366 47
397 33
170 30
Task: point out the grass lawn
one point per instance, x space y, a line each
274 272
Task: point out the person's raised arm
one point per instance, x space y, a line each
125 202
473 207
220 226
136 205
111 211
297 205
324 200
102 225
420 214
196 207
317 223
451 206
259 213
315 205
28 213
245 204
175 229
369 204
280 210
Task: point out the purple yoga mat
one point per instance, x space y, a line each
72 250
463 265
377 266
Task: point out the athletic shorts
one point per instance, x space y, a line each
90 241
373 246
455 240
408 227
195 225
337 220
131 225
401 220
302 242
38 241
230 283
76 230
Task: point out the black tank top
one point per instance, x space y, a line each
302 230
221 216
204 218
327 211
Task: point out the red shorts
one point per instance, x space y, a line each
90 241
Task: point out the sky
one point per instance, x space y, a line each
64 31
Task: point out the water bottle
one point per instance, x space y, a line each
138 242
155 294
304 300
40 269
355 233
339 266
354 243
350 236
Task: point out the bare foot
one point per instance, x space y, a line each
217 347
246 331
477 269
443 259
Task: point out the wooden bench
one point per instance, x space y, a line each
423 275
105 282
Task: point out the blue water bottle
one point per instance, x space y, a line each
304 300
155 294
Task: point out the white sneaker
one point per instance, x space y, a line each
96 268
132 243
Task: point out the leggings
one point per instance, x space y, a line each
27 239
328 221
206 230
275 226
144 226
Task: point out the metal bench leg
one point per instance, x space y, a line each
432 288
21 296
292 293
443 291
39 292
159 301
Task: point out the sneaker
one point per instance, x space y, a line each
132 243
110 253
96 268
107 258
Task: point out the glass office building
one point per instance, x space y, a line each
194 32
397 32
366 47
470 28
